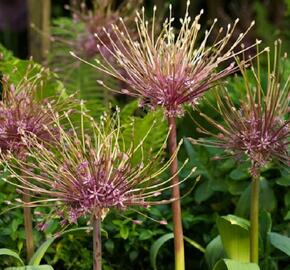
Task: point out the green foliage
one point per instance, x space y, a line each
154 250
153 121
235 265
214 252
280 242
234 232
9 252
40 267
77 77
16 70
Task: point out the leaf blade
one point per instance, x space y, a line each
9 252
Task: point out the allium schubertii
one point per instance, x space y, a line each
23 112
169 70
86 176
257 129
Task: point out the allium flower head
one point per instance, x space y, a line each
102 15
172 69
257 128
85 175
22 112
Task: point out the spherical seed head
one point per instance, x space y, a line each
22 114
88 176
260 140
256 130
98 25
94 190
168 70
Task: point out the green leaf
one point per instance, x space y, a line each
109 245
194 244
234 232
5 54
203 191
240 174
267 199
226 264
29 267
283 181
265 223
48 85
162 240
38 255
124 232
214 251
156 246
79 77
9 252
280 242
135 133
145 234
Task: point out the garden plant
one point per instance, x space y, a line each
147 140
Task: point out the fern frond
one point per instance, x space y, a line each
77 77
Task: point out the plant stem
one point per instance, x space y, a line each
254 216
176 207
97 243
28 228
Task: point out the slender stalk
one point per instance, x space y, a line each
254 218
97 244
176 207
28 228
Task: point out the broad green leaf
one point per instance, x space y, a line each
214 252
9 252
30 267
226 264
280 242
234 232
156 246
38 255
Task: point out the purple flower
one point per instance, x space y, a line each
169 70
102 15
257 128
85 176
21 114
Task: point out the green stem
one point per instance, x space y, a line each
176 207
254 216
28 228
97 243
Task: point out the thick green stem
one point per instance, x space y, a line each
176 207
28 228
254 218
97 244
